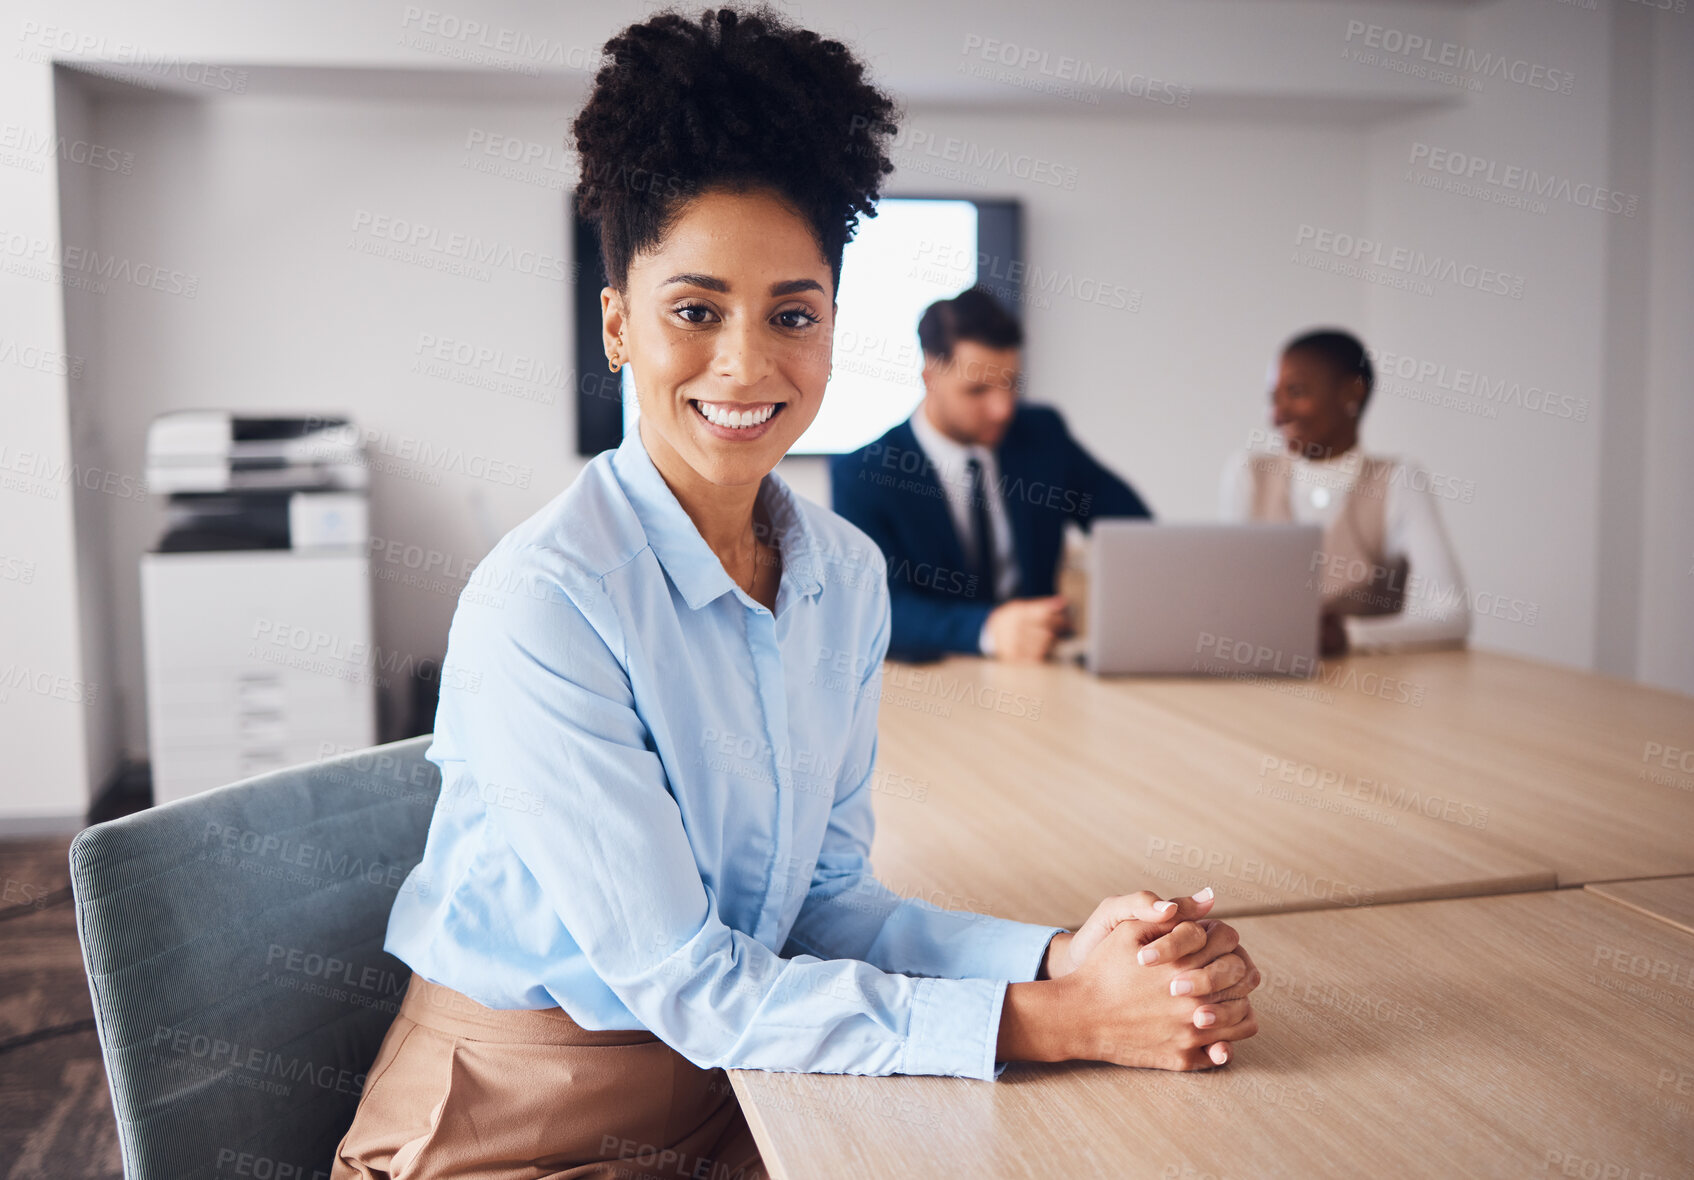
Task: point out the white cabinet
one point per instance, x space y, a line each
256 659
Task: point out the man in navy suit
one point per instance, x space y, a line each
968 498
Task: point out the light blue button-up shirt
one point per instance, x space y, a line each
656 799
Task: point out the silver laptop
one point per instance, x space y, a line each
1204 599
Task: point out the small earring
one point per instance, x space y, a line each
614 363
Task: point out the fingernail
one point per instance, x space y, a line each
1205 1019
1204 894
1165 907
1181 987
1147 954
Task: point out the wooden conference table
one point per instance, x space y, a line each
1670 899
1504 1024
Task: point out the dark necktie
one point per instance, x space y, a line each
982 533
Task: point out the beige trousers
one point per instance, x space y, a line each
461 1090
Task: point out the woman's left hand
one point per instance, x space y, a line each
1067 951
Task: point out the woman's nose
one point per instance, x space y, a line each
742 356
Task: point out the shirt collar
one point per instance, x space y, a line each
948 455
683 552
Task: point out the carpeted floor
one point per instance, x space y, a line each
55 1110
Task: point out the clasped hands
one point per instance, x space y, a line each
1161 985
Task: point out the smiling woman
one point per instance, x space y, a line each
722 280
731 349
727 325
679 665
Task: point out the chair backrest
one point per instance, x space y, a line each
233 942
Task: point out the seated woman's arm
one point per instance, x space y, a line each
1434 610
615 868
849 914
1235 491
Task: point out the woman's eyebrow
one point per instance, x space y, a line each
694 280
786 287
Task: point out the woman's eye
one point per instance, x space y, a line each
796 317
689 312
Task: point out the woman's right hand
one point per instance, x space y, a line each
1131 1016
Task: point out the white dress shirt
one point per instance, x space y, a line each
1435 608
951 459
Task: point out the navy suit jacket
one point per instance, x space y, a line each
890 490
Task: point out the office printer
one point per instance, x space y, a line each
256 600
257 482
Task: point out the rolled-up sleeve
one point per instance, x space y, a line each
609 852
849 914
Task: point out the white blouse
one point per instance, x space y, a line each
1436 608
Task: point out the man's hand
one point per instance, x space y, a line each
1025 629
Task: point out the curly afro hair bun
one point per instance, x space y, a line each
739 99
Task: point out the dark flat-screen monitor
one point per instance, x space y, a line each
914 251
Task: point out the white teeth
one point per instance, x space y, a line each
734 419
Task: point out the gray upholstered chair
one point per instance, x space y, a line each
233 942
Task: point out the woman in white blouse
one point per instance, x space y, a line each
1387 571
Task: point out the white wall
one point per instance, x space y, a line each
46 705
1664 639
254 198
87 365
1528 534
